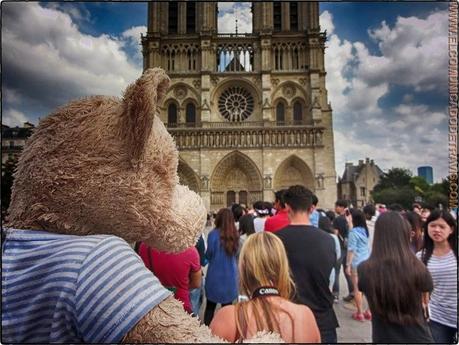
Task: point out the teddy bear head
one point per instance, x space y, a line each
104 165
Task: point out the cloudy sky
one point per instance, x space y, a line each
386 68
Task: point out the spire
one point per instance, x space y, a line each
236 15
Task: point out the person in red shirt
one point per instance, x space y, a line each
178 272
280 220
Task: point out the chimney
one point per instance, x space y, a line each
367 160
360 162
372 162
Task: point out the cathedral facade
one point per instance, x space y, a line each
249 112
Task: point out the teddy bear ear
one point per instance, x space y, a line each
140 102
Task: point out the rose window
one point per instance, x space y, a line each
235 104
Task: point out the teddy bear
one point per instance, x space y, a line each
97 174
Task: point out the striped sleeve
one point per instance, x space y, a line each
114 291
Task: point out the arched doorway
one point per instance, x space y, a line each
187 176
235 179
293 171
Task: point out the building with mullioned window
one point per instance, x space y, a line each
358 181
249 112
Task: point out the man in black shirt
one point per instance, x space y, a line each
342 230
311 254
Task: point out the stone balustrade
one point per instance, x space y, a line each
247 137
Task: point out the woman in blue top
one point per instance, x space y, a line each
357 251
221 279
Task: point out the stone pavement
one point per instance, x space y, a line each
350 331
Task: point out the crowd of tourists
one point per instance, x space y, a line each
276 267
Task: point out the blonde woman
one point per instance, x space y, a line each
264 277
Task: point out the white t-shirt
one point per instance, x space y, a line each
259 223
73 289
371 230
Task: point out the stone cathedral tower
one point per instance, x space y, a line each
249 112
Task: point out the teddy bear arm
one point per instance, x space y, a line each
168 322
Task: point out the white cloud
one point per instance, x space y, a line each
133 34
228 12
413 53
338 56
133 39
326 22
409 134
13 118
225 7
77 13
51 61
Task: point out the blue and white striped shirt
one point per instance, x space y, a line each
63 288
443 301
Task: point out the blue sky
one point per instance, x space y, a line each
386 69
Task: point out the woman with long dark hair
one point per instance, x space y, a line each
440 256
357 251
221 279
394 281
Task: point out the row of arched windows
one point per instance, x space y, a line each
172 114
173 15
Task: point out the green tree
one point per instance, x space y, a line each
442 187
404 196
8 169
420 185
433 198
394 178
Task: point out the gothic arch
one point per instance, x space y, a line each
172 116
279 100
187 176
197 110
175 92
235 173
300 92
306 110
276 103
293 171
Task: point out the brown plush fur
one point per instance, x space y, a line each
102 165
169 322
106 166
